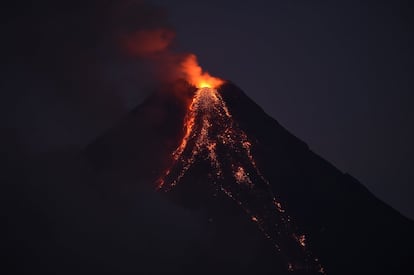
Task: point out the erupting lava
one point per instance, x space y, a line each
212 137
195 76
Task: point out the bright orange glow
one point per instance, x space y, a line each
195 75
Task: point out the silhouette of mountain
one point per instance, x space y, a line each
270 204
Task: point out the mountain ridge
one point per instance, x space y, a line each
329 205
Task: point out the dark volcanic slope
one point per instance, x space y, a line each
349 229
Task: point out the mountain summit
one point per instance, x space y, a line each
270 203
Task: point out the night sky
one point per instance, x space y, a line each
336 74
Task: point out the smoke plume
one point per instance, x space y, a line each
155 45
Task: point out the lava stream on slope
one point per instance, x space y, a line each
212 135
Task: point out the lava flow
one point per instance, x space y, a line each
211 135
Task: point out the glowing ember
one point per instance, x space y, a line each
241 176
301 240
211 136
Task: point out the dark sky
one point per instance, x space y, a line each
336 74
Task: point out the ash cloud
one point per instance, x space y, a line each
66 75
147 43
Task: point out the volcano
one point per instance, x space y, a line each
269 202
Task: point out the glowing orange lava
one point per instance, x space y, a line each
211 136
195 75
